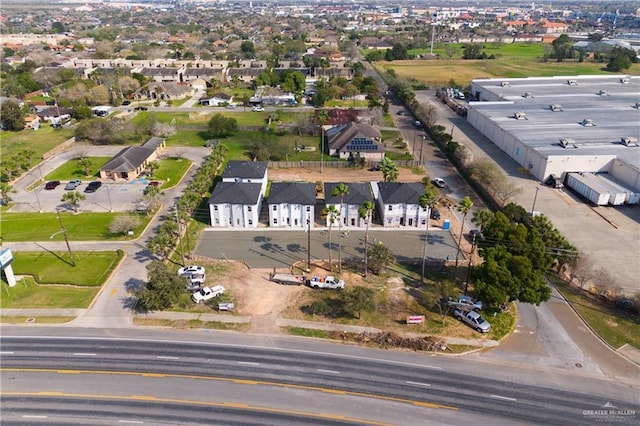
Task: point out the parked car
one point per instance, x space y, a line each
191 270
475 235
93 186
435 214
418 123
207 293
52 184
439 182
231 106
257 109
141 108
154 183
193 286
72 184
472 319
125 103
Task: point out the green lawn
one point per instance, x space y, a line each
28 295
610 324
91 268
171 171
71 170
40 141
86 226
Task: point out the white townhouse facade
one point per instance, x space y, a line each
398 204
291 204
237 200
358 193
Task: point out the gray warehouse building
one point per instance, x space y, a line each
554 126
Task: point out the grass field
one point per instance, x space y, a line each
28 295
71 170
40 141
86 226
91 268
517 60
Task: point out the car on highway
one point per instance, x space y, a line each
52 184
207 293
439 182
72 184
93 186
472 319
191 270
257 109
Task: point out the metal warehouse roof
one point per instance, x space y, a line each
606 102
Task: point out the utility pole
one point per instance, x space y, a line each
66 239
535 197
421 145
473 247
180 237
308 243
109 197
38 200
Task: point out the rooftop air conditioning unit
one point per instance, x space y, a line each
527 95
555 107
567 142
520 115
629 141
505 84
572 82
624 80
603 93
587 122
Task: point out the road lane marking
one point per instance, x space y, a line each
238 381
227 404
248 363
167 357
31 416
114 291
506 398
83 354
137 422
328 371
6 353
418 383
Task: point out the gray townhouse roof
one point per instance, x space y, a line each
235 193
221 95
171 89
358 137
400 193
200 72
359 192
154 143
245 169
149 72
293 193
252 72
128 159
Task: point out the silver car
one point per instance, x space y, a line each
473 319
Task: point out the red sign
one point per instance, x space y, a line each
415 319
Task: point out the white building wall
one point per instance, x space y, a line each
290 215
626 173
234 215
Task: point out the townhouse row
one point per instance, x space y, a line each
237 201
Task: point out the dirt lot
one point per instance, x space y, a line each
339 175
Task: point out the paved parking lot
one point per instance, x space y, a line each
272 248
120 196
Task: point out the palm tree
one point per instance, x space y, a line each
389 170
72 199
464 206
340 190
151 167
323 118
5 189
427 201
86 164
365 212
331 214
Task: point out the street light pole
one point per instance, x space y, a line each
66 239
38 199
535 197
109 197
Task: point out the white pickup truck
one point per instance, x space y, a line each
207 293
325 282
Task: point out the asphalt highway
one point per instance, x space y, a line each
298 381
